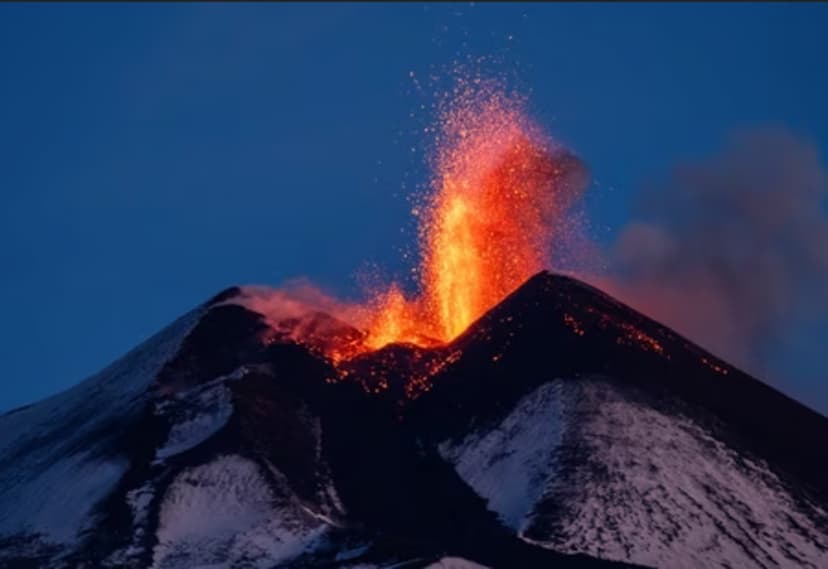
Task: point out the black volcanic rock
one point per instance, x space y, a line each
226 337
562 429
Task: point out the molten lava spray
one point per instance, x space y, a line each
497 210
499 192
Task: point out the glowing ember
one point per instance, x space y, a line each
573 323
499 191
715 367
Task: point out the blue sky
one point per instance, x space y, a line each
154 154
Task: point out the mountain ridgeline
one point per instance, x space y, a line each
562 429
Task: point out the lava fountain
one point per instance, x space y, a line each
497 206
499 194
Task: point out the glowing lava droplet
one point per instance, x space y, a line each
500 190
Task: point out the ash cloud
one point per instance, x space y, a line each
732 251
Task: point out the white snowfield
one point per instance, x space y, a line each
224 514
654 488
510 465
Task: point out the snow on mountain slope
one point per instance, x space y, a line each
159 460
63 442
224 513
196 414
588 466
519 452
232 440
212 496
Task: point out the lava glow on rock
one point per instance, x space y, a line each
499 192
496 205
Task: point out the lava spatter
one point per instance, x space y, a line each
499 193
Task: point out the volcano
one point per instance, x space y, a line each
561 429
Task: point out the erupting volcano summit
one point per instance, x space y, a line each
500 193
502 417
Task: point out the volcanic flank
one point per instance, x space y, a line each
561 429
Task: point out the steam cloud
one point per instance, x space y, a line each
732 251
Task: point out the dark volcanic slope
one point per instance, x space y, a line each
556 326
561 428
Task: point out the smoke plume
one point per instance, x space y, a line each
732 251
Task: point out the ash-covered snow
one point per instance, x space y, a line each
352 552
60 515
509 465
55 464
197 414
139 501
225 514
647 486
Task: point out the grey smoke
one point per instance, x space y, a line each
732 251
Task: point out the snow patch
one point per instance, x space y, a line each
224 512
197 414
590 466
352 553
510 464
58 501
455 563
660 490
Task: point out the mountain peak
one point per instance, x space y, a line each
562 428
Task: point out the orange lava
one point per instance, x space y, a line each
499 189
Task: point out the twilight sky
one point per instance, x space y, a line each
155 154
